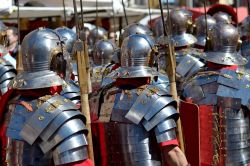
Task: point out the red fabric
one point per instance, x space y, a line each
116 66
87 162
171 142
217 66
136 82
206 132
41 92
189 115
98 132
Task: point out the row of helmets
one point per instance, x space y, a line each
137 43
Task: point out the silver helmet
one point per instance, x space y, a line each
96 34
103 52
224 41
136 28
179 20
222 17
158 28
136 57
43 60
200 24
69 37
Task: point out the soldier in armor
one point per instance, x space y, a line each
4 53
135 115
186 57
95 35
38 124
70 89
104 51
222 95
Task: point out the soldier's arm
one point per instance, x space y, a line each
173 156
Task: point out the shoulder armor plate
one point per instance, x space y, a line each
188 66
151 101
43 116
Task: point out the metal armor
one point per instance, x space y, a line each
245 47
136 29
103 52
200 25
136 57
224 42
158 28
4 53
179 20
97 34
42 128
7 73
223 99
71 91
43 60
45 128
222 17
69 37
131 123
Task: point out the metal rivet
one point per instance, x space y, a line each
41 118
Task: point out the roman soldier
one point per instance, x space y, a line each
186 57
222 95
94 36
136 120
38 126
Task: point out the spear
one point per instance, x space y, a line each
171 68
83 83
64 14
19 65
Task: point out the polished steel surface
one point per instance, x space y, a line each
68 36
224 42
103 52
136 28
200 25
222 17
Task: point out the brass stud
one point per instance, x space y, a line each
41 118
